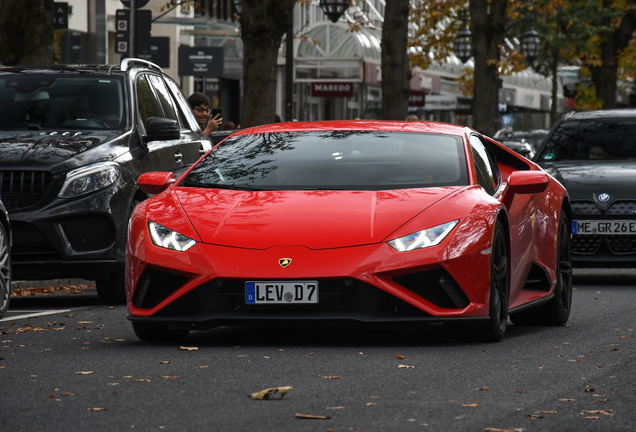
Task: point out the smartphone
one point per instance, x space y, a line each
216 111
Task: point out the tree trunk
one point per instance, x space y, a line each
26 32
396 74
263 24
554 66
612 43
488 19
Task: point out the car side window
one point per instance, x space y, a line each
146 102
182 104
483 166
164 97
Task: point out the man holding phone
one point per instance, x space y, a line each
200 105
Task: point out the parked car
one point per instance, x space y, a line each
523 148
73 141
534 137
594 155
5 260
351 220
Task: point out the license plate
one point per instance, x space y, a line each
285 292
603 227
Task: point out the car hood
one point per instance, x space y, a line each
57 152
314 219
588 179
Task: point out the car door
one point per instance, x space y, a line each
194 143
166 155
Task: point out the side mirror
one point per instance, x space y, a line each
528 182
155 182
159 128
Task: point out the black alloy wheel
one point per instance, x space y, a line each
494 329
5 270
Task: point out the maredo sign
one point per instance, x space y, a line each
332 89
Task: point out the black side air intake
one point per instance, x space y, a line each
436 286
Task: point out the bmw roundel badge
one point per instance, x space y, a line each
603 197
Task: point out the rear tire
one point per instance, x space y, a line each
557 311
5 270
157 332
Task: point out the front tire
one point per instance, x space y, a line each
495 328
5 270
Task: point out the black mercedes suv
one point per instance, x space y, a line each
74 139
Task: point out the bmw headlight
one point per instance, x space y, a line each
166 238
88 179
424 238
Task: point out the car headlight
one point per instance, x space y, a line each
424 238
166 238
88 179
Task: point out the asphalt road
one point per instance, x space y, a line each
82 369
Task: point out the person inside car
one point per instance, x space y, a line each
200 105
597 152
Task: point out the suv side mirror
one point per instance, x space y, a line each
159 128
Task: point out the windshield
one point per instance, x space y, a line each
333 160
592 139
61 102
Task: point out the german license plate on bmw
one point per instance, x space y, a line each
604 227
282 292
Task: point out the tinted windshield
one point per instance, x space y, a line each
348 160
61 102
592 139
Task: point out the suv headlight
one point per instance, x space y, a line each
88 179
425 238
166 238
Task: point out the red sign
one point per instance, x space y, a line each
417 99
332 89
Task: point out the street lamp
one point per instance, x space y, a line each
531 45
334 8
463 46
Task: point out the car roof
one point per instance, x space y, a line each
56 69
599 114
359 125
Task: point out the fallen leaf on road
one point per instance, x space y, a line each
68 394
534 416
335 408
165 362
502 430
470 405
591 417
51 396
83 373
370 403
481 389
332 377
202 367
567 400
270 392
183 348
546 412
309 416
588 389
607 412
97 409
405 367
398 356
142 380
171 377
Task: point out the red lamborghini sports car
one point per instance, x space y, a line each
369 221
